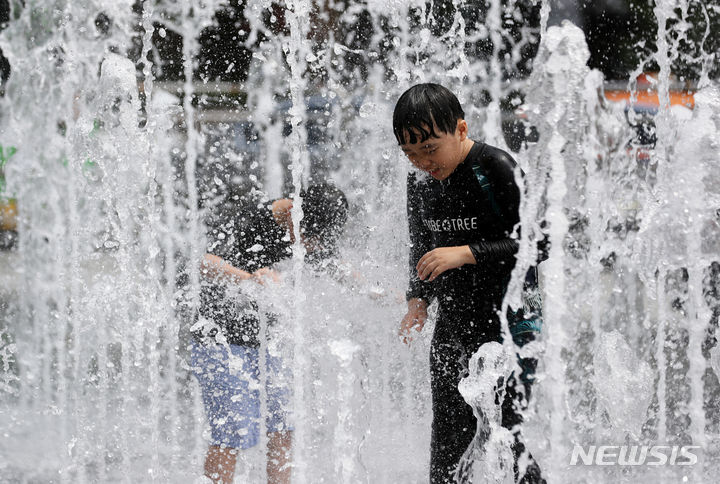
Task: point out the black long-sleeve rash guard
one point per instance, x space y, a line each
477 205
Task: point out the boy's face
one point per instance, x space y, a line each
439 156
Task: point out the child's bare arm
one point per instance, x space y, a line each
217 269
214 268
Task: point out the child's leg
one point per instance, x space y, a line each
232 408
453 425
278 457
279 426
220 464
517 394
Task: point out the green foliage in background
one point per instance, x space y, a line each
5 154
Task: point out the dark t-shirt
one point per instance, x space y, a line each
477 205
249 239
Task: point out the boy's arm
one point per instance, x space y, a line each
215 268
505 197
419 244
419 293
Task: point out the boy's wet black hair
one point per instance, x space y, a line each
325 211
421 109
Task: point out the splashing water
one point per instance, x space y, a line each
623 382
113 183
489 457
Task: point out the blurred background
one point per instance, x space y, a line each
124 124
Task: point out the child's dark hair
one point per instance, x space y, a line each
325 211
421 109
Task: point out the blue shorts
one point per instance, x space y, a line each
231 393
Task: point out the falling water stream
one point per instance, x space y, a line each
115 171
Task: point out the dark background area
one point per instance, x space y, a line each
4 64
620 34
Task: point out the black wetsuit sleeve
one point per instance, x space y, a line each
505 199
504 196
420 243
505 248
493 250
501 175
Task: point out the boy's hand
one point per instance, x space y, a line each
415 318
439 260
265 275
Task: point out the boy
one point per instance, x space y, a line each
461 217
243 245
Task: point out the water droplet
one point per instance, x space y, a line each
367 110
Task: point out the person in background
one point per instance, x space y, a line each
243 245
